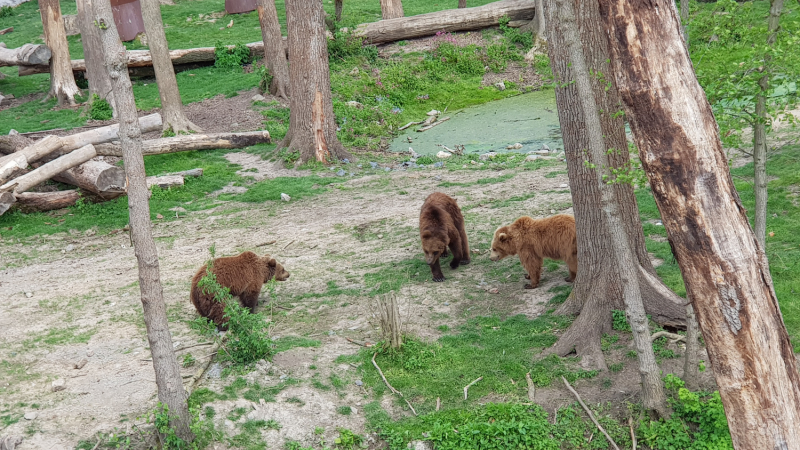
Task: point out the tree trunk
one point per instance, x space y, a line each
392 9
46 201
28 54
167 372
171 104
685 21
760 130
598 286
99 82
691 370
47 171
462 4
192 142
725 270
475 18
274 51
339 5
62 82
312 128
98 177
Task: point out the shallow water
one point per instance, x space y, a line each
529 119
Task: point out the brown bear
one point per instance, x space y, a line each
534 239
441 225
243 275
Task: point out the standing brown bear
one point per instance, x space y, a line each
441 225
534 239
243 275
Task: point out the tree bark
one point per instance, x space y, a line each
274 50
28 54
62 82
47 171
691 375
760 130
191 142
98 177
171 104
462 4
7 200
428 24
46 201
725 270
339 5
99 82
391 9
167 372
312 128
598 288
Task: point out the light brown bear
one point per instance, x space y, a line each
534 239
243 275
441 225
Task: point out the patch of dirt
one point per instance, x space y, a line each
263 169
524 75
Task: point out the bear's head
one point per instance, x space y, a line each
274 270
434 245
502 244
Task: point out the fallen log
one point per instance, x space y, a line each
165 181
11 164
98 177
27 55
192 142
46 201
6 200
108 133
47 171
465 19
6 30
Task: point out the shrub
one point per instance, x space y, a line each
264 79
6 11
231 58
100 109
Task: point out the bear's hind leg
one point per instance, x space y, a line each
466 258
572 264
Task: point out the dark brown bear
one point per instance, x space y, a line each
243 275
441 225
534 239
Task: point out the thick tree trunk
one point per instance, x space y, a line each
725 270
167 372
28 54
98 177
62 82
462 4
391 9
99 82
171 106
274 51
47 171
191 142
312 128
46 201
339 5
466 19
598 286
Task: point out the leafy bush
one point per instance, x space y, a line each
100 109
231 58
514 36
619 322
463 60
264 79
6 11
346 45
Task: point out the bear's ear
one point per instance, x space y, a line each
503 237
272 262
427 235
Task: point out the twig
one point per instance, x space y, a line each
266 243
195 345
380 372
466 388
408 125
409 405
356 342
438 403
190 384
633 435
97 445
668 335
589 412
9 30
531 387
433 125
284 247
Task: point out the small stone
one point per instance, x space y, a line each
486 156
387 169
500 86
89 353
230 424
420 445
542 152
531 157
563 185
413 153
360 166
659 224
552 211
344 30
438 164
69 248
443 154
331 333
494 291
354 104
285 197
13 132
346 161
59 385
374 165
446 303
79 365
433 112
340 173
359 383
159 216
29 294
516 146
252 415
258 98
354 71
188 19
31 415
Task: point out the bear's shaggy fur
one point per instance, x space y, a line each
441 225
243 275
534 239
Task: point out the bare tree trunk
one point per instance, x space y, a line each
691 373
685 21
462 3
653 398
760 130
165 364
726 272
99 81
274 52
391 9
171 105
312 128
62 81
339 4
598 287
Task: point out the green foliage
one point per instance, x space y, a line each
289 342
425 159
100 109
169 439
6 11
514 36
344 410
230 58
346 45
264 78
619 321
188 360
698 421
348 440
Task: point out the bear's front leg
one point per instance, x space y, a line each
436 270
533 265
249 300
455 247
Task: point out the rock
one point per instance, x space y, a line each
10 442
258 98
328 35
552 211
354 71
252 415
542 152
563 185
433 112
159 216
659 224
446 303
516 146
29 294
31 415
345 30
89 353
714 38
443 154
374 165
494 290
69 248
438 164
413 153
531 157
500 86
420 445
59 385
387 169
345 161
359 383
486 156
188 19
229 424
13 132
79 365
340 173
285 197
354 104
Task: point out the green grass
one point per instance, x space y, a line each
481 181
58 336
289 342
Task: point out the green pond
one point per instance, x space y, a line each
528 119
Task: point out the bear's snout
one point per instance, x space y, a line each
494 256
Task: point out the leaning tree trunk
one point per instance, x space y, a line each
726 271
312 128
760 130
391 9
339 4
62 81
167 372
598 287
171 105
462 3
99 81
274 52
